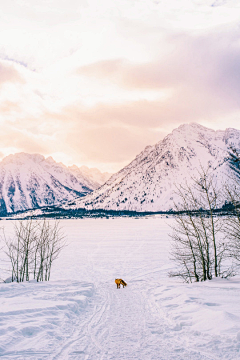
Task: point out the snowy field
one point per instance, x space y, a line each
80 314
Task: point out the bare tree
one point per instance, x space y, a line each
198 247
33 249
50 243
232 191
1 252
20 248
184 250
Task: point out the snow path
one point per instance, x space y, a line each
124 328
126 324
84 316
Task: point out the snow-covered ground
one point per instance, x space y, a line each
80 314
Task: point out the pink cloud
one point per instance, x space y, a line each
9 74
206 64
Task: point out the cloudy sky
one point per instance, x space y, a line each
93 82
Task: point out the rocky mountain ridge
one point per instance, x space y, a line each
29 181
149 182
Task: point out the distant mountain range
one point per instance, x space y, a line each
31 181
148 182
92 174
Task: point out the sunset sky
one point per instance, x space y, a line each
93 82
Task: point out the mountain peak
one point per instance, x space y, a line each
30 181
192 127
148 182
22 157
50 159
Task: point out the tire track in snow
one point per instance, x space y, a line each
76 335
97 320
111 329
86 332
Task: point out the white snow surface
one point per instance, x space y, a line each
30 181
80 314
149 182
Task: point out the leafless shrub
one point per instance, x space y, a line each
198 248
232 192
1 252
34 247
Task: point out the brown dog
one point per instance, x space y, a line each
119 282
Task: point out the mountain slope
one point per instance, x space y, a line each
31 181
148 182
95 176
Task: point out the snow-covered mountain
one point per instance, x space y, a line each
92 174
148 182
31 181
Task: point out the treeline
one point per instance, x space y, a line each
206 245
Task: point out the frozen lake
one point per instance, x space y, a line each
80 314
105 249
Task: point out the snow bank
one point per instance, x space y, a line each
205 316
36 317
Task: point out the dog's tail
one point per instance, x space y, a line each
123 283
